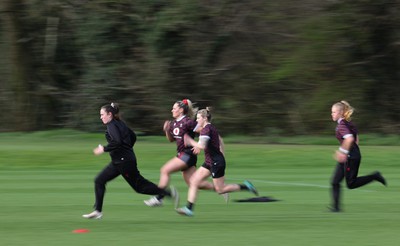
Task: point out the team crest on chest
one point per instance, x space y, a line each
176 131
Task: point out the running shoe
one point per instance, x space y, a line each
93 215
334 209
153 202
174 196
380 178
184 211
251 187
226 197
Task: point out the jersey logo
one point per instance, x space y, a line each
176 131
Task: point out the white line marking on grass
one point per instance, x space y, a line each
298 184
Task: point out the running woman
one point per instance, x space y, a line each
121 140
185 160
348 156
214 165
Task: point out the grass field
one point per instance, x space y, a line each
46 184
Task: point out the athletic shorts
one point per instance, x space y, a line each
217 168
188 157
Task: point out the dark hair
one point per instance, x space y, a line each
112 108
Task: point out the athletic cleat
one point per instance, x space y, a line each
184 211
153 202
226 197
174 196
334 209
93 215
380 178
251 187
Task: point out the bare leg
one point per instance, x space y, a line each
172 166
221 187
197 178
204 185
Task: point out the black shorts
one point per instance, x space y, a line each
217 168
188 157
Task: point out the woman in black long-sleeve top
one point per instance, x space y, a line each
121 140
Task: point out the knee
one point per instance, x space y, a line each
99 181
219 190
335 184
193 181
350 184
164 170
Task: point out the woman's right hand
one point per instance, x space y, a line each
167 123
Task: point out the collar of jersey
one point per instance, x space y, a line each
180 118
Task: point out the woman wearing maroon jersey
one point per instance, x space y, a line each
214 164
185 160
348 156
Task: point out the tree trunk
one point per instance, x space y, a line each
18 104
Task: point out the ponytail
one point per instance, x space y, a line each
187 107
346 108
205 113
112 108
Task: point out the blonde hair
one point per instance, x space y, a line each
205 113
346 109
188 107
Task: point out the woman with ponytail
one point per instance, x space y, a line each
120 141
348 156
214 164
185 159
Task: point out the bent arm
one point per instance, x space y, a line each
201 144
166 128
221 145
347 143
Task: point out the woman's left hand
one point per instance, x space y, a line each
340 157
99 150
196 150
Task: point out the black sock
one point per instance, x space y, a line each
160 197
243 187
190 205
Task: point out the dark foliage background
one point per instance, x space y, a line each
266 67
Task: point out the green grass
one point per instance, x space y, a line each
46 184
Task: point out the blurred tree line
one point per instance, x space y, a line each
266 67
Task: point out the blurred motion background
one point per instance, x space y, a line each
266 67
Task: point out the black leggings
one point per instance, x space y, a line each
348 170
131 174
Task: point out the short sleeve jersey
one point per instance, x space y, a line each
178 128
212 150
345 128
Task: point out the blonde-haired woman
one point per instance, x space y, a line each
348 156
185 160
214 164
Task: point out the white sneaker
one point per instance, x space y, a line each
153 202
93 215
226 197
174 196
